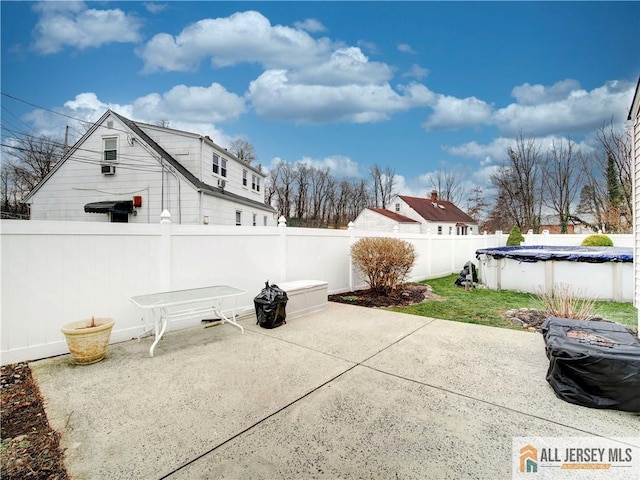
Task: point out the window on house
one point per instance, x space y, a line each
450 230
440 230
397 207
216 163
223 167
255 183
110 148
238 218
255 219
244 178
264 221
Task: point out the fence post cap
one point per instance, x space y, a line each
165 217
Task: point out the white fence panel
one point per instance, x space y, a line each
53 273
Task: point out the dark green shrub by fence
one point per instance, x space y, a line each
515 237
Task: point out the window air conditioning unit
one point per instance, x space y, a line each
222 183
108 169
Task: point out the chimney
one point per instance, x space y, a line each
434 196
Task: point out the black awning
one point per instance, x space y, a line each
120 206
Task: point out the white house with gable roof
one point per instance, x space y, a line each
126 171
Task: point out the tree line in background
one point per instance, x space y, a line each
572 185
576 186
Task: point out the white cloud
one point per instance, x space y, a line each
450 113
370 47
563 108
527 94
304 79
155 7
345 66
310 25
242 37
272 95
72 24
193 109
405 48
199 104
340 166
416 71
495 152
489 152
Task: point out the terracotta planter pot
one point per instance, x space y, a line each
88 344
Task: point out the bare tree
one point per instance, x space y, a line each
448 185
476 204
383 185
561 179
302 173
243 150
281 188
164 123
518 185
606 200
26 163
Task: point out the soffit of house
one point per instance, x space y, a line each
438 210
393 215
232 197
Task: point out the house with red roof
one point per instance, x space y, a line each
418 215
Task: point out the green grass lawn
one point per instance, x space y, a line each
487 307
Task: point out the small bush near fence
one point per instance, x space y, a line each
385 262
597 241
515 237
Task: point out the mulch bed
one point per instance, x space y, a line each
406 294
30 448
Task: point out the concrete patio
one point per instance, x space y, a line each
345 393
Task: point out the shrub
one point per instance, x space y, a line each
385 262
597 241
563 302
515 237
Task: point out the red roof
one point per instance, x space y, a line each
436 210
393 215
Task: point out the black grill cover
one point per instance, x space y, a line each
594 364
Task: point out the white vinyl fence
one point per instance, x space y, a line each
53 273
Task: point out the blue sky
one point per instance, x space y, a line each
415 86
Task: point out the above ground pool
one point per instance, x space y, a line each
603 273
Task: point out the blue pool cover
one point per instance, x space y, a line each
543 253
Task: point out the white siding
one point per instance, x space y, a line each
369 220
138 171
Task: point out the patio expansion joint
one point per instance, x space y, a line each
486 402
293 402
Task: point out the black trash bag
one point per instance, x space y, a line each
270 306
468 269
595 364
